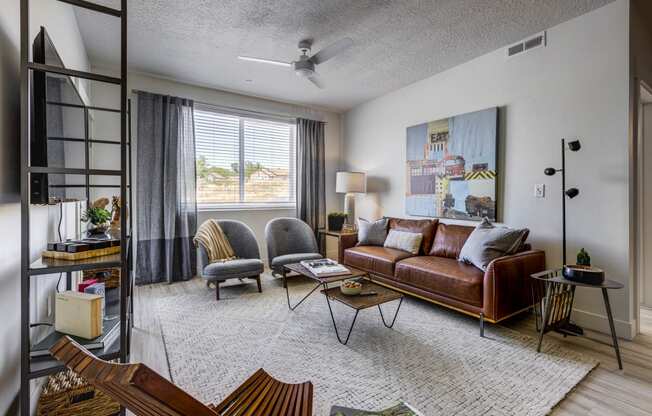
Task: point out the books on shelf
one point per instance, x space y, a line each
401 409
325 267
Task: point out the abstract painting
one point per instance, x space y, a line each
451 167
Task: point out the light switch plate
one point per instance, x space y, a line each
540 190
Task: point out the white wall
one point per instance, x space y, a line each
575 87
256 219
59 20
646 226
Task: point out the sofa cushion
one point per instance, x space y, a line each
372 233
443 276
424 227
449 240
379 260
488 242
403 240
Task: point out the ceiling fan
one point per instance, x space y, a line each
305 66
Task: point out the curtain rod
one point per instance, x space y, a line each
237 109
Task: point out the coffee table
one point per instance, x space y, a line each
381 295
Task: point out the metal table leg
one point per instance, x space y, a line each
614 338
287 293
328 302
400 302
546 313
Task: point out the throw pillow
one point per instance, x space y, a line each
488 242
404 240
372 233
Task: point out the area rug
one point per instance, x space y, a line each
433 358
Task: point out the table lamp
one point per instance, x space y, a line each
350 183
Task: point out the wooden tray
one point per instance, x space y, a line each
81 255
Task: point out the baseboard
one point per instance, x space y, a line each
600 323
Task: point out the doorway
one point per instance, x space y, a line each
645 209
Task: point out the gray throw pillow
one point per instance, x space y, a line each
403 240
488 242
372 233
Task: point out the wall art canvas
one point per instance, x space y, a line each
451 167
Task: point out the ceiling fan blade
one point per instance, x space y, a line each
315 80
264 61
331 50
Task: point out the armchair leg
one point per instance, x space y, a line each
481 324
260 288
285 281
217 290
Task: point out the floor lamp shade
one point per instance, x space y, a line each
350 183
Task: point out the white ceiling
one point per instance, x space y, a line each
396 42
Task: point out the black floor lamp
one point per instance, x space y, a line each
571 193
570 328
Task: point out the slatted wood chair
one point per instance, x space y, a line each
146 393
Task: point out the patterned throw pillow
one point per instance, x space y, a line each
403 240
488 242
372 233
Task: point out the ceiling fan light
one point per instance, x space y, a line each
304 72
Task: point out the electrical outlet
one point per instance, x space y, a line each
540 190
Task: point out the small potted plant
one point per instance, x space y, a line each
98 218
336 221
582 272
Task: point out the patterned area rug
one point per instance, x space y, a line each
433 358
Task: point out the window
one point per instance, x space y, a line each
264 146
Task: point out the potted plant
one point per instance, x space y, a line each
336 221
98 218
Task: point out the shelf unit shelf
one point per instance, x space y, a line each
46 265
33 368
41 367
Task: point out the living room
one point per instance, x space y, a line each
174 174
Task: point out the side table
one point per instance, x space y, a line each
323 234
557 303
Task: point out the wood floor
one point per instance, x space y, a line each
605 391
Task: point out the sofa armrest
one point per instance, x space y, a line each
507 283
346 241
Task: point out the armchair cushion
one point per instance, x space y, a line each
280 261
231 269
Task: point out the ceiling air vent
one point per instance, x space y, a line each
534 42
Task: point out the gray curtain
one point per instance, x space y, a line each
311 194
166 196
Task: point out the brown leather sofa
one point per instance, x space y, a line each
436 275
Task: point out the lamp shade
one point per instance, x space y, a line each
350 182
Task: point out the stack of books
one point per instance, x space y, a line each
325 268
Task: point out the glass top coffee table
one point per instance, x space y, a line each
372 294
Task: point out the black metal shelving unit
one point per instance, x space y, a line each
32 368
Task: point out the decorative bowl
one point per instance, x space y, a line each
583 274
350 287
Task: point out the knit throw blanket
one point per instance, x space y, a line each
212 238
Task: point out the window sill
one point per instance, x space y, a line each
252 207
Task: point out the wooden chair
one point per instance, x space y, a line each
145 393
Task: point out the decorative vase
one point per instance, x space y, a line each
97 230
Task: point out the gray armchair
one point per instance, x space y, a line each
247 264
289 240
